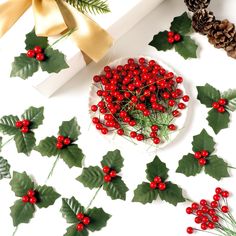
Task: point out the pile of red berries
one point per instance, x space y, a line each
220 105
158 184
30 197
135 98
84 220
208 214
37 53
23 125
173 37
62 142
109 174
201 156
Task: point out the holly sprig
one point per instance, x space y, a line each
177 38
48 59
203 158
22 130
106 176
221 104
157 174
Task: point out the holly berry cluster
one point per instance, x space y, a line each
23 125
109 174
201 156
220 105
62 142
173 37
37 53
84 220
30 197
158 184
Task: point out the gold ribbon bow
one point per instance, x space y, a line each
53 17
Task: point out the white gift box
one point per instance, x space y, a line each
124 15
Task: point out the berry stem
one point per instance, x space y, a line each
52 169
15 231
6 142
92 200
231 167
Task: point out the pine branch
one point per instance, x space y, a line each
90 6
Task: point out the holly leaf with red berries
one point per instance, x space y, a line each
167 191
4 169
23 135
94 176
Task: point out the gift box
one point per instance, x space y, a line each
121 19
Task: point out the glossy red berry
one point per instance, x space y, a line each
157 179
30 53
205 219
225 194
104 131
113 174
171 103
86 220
25 199
215 105
181 106
225 209
133 134
197 155
25 122
80 227
171 127
40 57
214 204
154 128
142 60
211 225
120 132
153 185
202 161
204 153
33 200
107 178
177 37
222 101
171 40
203 202
190 230
156 140
80 216
218 190
59 145
189 210
215 218
19 124
162 186
170 34
37 49
106 169
67 141
195 206
216 197
31 193
60 138
24 129
204 226
175 113
198 220
140 137
185 98
179 80
221 109
205 209
94 108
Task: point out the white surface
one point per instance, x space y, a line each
159 218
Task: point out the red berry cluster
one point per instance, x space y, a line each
208 214
84 220
157 183
173 37
109 174
133 95
201 156
62 142
37 53
23 125
220 105
30 197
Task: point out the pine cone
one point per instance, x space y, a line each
194 5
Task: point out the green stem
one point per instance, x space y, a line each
52 169
232 167
15 231
92 200
6 142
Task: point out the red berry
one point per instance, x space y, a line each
225 194
107 178
120 131
205 209
181 106
204 226
80 216
153 185
60 138
215 105
179 80
216 197
25 199
162 186
154 128
130 61
214 204
197 155
171 103
195 206
24 129
59 145
86 220
96 79
157 179
171 127
142 60
211 225
202 161
30 53
199 212
189 230
67 141
198 220
203 202
140 137
177 37
171 34
40 57
218 190
33 200
80 227
189 210
94 108
146 113
25 122
31 193
104 131
175 113
221 109
215 218
171 40
204 153
156 140
185 98
224 209
222 101
19 124
37 49
106 169
212 212
205 219
113 174
133 134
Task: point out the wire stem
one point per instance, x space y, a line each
92 200
52 169
232 167
14 233
6 142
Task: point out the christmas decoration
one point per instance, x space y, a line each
106 176
157 174
177 38
4 169
194 5
203 147
221 104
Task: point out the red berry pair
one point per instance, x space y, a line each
84 220
23 125
158 184
220 105
201 156
37 53
62 142
30 197
109 174
173 37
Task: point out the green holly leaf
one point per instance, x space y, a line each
33 40
172 194
24 66
21 212
208 94
72 155
187 47
70 208
25 142
189 166
91 177
203 141
47 147
114 160
54 61
8 125
98 218
21 183
160 41
181 24
0 144
144 194
70 129
217 120
116 189
230 95
72 231
216 167
4 169
46 196
35 116
157 168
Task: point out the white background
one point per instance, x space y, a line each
159 218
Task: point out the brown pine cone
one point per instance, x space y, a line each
194 5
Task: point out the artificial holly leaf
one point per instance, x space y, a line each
4 169
54 61
160 41
187 48
116 189
25 142
72 155
189 165
98 218
144 194
230 95
34 115
8 125
172 194
70 208
21 183
33 40
21 212
46 196
207 94
70 129
24 66
216 167
157 168
203 141
114 160
47 147
91 177
0 144
72 231
217 120
181 24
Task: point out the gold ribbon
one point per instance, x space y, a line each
54 17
